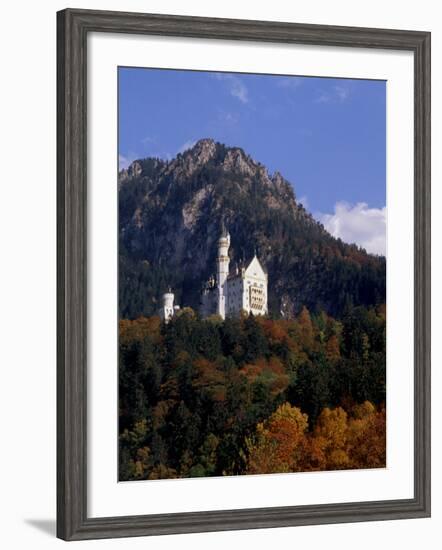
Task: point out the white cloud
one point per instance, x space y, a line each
358 224
148 140
187 145
338 94
341 92
239 91
237 88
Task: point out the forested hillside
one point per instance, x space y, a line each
251 395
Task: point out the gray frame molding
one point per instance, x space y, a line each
72 29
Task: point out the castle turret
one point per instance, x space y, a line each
167 310
222 262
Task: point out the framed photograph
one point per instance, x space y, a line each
243 274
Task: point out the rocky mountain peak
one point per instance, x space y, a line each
134 169
236 160
188 162
203 150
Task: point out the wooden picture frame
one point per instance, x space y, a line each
73 27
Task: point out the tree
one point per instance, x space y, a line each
306 329
330 433
366 437
332 350
255 343
312 387
279 443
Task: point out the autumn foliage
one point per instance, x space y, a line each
251 395
282 443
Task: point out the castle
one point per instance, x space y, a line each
232 291
243 289
168 309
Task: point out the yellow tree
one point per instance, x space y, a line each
330 436
279 444
367 437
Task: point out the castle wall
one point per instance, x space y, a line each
247 293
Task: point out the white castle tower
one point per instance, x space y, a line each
222 263
168 310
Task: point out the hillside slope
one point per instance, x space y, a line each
169 220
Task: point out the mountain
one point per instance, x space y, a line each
170 214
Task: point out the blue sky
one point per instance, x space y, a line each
326 136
